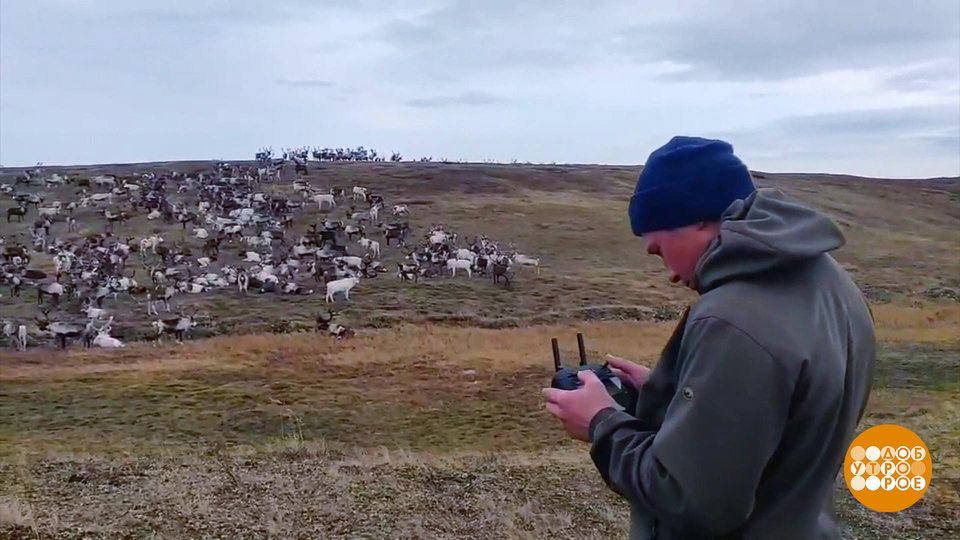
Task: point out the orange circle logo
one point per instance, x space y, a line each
887 468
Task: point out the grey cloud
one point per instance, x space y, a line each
467 98
943 76
878 142
462 37
905 121
756 40
948 142
223 13
777 40
170 79
306 83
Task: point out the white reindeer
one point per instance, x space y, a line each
150 243
325 198
192 288
524 260
340 286
48 210
94 313
371 245
152 305
462 264
103 339
466 254
105 181
22 338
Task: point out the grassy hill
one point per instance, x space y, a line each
901 243
430 423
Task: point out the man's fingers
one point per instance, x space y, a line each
553 395
553 408
618 362
587 376
618 372
623 364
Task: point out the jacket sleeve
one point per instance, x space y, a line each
700 470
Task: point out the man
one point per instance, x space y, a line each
742 426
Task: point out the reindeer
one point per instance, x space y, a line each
152 305
243 281
54 289
61 331
370 245
211 247
501 269
17 335
105 181
89 331
177 326
22 338
103 339
408 272
351 230
323 323
187 217
341 332
18 211
112 219
394 231
168 293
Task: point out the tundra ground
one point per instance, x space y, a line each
430 424
409 432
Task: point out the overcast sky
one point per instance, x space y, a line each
868 87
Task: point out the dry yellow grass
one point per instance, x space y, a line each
443 346
442 425
922 322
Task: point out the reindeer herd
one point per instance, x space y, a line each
240 229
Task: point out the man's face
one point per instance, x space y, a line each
681 249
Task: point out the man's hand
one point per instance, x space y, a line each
576 408
628 372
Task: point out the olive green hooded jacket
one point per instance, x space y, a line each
743 424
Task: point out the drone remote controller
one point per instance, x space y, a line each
566 378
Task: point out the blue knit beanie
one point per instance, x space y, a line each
685 181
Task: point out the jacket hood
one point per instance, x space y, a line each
765 231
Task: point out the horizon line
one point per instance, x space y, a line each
461 162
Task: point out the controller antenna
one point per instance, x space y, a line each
556 354
583 351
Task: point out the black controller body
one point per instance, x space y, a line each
567 379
